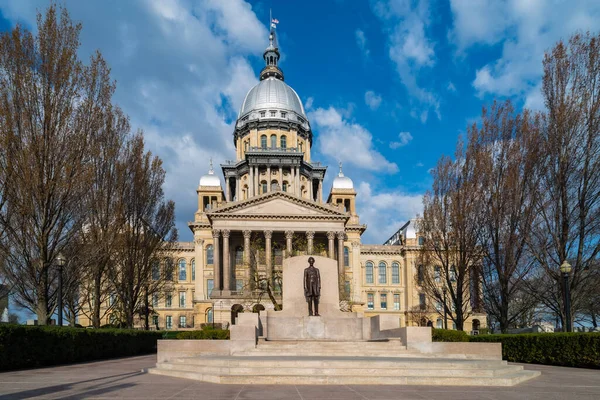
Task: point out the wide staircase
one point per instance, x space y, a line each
313 362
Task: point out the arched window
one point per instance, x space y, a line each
182 267
263 141
209 315
382 272
369 271
346 257
439 324
421 240
284 186
209 254
274 185
168 269
273 141
246 144
395 272
283 142
263 187
193 269
155 270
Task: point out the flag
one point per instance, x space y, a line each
275 21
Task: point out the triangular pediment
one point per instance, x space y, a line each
278 203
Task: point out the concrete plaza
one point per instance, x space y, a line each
123 378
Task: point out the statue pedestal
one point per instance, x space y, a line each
293 322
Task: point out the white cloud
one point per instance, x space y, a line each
309 103
348 142
174 63
385 212
450 87
372 99
361 42
410 49
525 30
419 164
405 138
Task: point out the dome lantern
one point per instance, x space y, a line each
271 56
210 179
341 181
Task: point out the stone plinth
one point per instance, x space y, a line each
318 328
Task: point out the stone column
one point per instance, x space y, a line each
199 283
227 199
293 180
268 260
280 178
320 190
226 261
256 180
250 181
268 179
238 191
341 236
289 235
310 235
331 244
249 271
216 260
310 189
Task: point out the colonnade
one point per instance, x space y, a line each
226 271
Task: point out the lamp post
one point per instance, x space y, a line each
565 268
60 262
445 290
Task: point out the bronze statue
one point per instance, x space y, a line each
312 287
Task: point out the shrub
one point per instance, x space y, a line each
562 349
37 346
443 335
205 333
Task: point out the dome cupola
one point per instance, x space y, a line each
342 182
210 179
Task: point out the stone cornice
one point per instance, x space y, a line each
271 217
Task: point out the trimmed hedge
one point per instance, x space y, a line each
443 335
206 333
38 346
562 349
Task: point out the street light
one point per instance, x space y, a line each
445 290
60 262
565 268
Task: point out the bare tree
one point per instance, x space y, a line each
146 232
506 152
568 207
48 119
450 229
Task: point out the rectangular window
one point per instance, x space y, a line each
168 300
437 273
193 270
283 114
453 274
347 287
168 269
262 114
155 300
370 301
209 286
422 301
273 113
182 323
155 321
396 301
438 306
420 274
383 301
239 285
182 270
112 299
155 270
169 322
181 299
395 273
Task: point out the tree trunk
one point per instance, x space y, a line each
96 297
42 310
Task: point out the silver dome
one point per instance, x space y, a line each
342 182
272 94
210 179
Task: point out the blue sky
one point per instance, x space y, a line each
388 85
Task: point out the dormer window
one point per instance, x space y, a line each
283 114
300 120
273 113
262 114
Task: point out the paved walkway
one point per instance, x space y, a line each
122 378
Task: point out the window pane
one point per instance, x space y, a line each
436 274
263 138
239 285
396 301
169 269
209 254
284 186
370 301
154 300
395 272
209 286
382 273
155 270
273 139
169 322
168 300
422 301
182 322
209 315
181 299
369 271
182 270
383 301
193 269
346 257
283 141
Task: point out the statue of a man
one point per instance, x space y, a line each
312 287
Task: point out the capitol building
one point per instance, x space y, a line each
272 204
